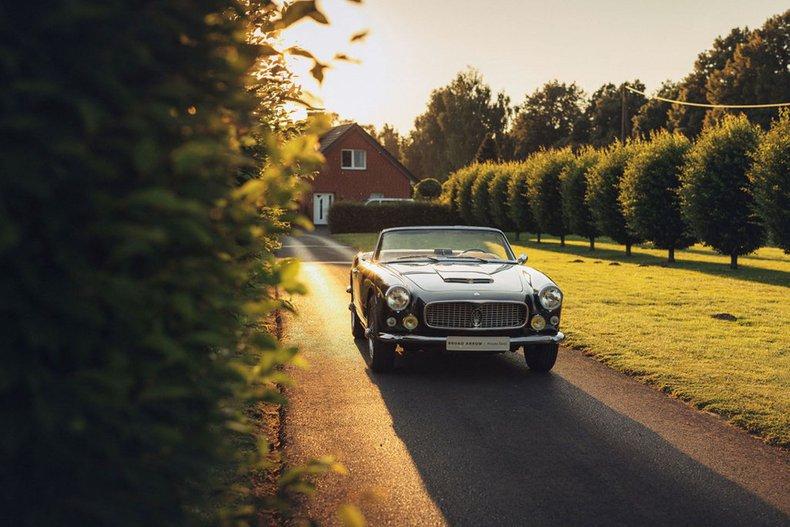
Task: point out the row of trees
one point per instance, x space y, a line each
465 121
729 189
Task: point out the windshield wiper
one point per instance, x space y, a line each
416 257
477 258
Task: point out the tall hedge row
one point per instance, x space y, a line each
134 260
725 191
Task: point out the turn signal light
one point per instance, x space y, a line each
537 323
410 322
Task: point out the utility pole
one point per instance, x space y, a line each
622 113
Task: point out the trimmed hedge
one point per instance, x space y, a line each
347 216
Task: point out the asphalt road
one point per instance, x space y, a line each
479 440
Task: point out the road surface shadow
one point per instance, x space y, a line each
498 445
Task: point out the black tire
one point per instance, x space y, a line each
381 355
541 358
357 330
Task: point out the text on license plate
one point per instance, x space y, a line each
478 343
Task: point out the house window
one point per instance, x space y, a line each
353 159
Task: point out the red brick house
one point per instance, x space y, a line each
357 168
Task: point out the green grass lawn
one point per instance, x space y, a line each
654 321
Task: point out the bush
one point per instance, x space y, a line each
134 261
348 216
716 193
518 206
649 192
428 189
573 180
770 179
498 197
602 195
543 189
480 209
449 193
463 197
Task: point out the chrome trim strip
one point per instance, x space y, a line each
425 315
419 339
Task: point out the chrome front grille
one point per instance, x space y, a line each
475 315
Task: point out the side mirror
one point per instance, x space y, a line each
522 258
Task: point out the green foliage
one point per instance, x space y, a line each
518 205
543 189
428 189
449 193
351 216
649 192
463 197
447 136
716 193
602 118
758 71
573 186
603 193
488 151
136 240
546 118
654 114
770 178
498 197
693 88
480 198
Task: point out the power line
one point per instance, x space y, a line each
701 105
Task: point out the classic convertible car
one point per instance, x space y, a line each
452 289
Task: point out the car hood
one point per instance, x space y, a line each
462 276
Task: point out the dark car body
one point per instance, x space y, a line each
459 298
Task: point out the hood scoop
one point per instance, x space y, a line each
462 280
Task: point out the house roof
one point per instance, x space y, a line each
328 139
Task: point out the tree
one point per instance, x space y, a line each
602 195
573 186
602 117
716 194
448 134
518 207
137 222
480 209
390 139
488 151
757 72
649 192
428 189
498 196
770 178
546 118
654 114
693 88
543 190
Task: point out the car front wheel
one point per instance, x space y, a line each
541 358
381 355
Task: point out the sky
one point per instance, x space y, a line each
415 46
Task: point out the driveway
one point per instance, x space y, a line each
480 440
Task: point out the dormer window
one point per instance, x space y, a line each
353 159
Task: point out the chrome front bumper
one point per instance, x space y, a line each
517 341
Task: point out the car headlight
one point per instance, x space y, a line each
550 297
397 297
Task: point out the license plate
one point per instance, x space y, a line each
478 343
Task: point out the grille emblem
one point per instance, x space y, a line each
477 317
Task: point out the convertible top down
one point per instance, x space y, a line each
453 288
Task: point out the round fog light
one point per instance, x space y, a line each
555 320
410 322
391 321
538 323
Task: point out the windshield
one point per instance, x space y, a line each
443 244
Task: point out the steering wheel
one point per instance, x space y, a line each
473 250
